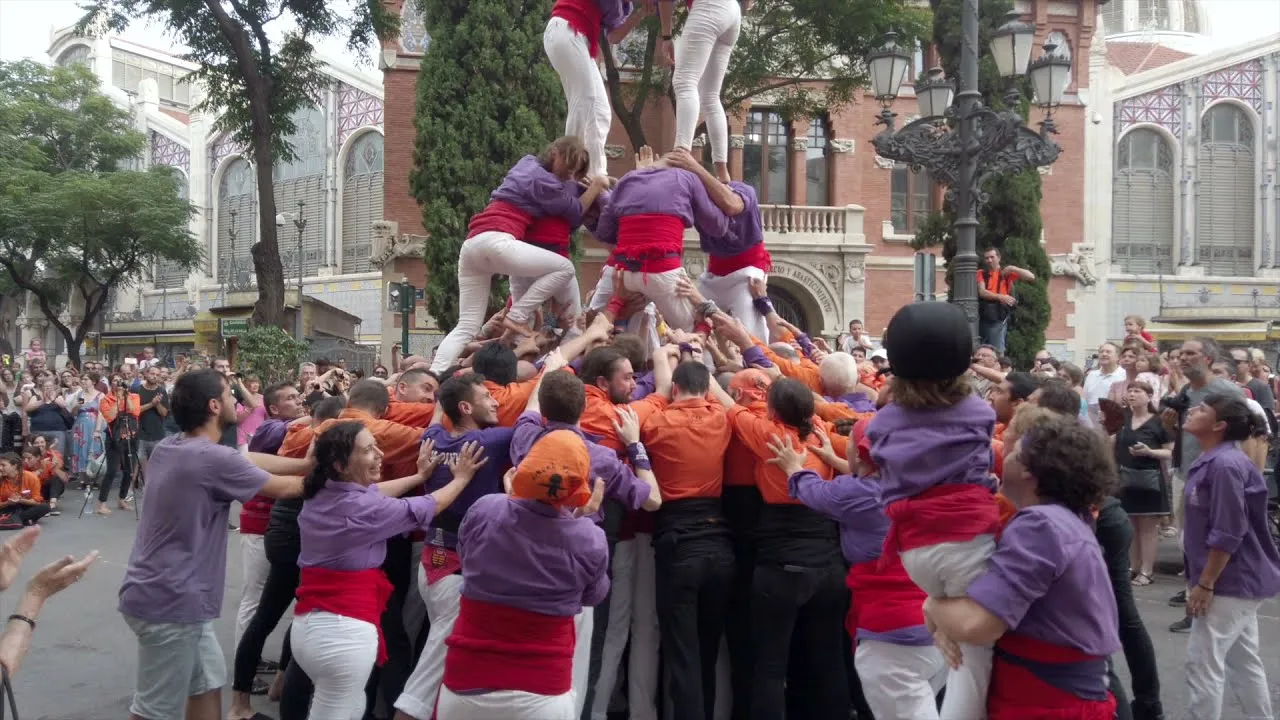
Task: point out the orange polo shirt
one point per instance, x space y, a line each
1006 506
513 398
12 489
599 415
687 444
804 369
417 415
833 411
739 462
399 443
50 464
755 430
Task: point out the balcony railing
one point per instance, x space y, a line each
813 223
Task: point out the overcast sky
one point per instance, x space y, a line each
25 26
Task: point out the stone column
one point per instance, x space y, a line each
737 141
332 262
853 250
1190 181
1270 196
797 179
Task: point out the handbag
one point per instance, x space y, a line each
1137 479
94 469
7 691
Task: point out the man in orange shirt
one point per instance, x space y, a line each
693 553
21 503
415 398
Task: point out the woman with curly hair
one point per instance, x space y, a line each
1044 600
1230 557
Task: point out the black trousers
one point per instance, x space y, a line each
392 676
122 458
741 506
277 595
25 514
1115 535
809 604
693 579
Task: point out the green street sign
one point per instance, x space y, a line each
234 327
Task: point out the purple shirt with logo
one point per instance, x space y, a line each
532 556
1227 510
178 567
920 449
488 479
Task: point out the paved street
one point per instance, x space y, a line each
82 661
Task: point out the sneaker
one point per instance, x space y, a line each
1179 600
1182 626
53 513
260 687
9 522
267 666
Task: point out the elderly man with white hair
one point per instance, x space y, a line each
841 386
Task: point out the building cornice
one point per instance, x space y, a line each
1193 67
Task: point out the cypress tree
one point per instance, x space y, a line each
486 96
1010 219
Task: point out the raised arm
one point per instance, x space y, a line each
724 197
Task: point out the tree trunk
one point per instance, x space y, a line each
269 309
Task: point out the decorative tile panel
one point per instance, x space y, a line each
413 31
1161 107
168 153
356 109
1240 82
221 149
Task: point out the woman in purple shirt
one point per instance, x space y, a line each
1230 557
344 525
1045 600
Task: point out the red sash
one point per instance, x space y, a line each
1016 693
884 597
755 256
358 594
498 647
499 216
945 513
549 233
650 243
584 17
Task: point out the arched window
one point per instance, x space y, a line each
169 274
237 219
302 179
1062 48
1225 192
1142 208
361 201
75 55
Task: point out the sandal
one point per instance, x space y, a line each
1141 580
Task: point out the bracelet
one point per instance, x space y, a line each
763 305
708 308
25 619
1202 587
638 456
686 348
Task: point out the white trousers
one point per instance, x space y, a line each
659 288
946 570
600 299
505 704
443 600
589 115
732 293
253 559
702 57
338 653
584 624
900 681
1223 650
497 253
633 612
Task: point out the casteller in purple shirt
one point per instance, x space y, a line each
661 191
920 449
1227 510
854 503
177 570
620 482
745 231
496 442
346 526
532 556
269 437
537 191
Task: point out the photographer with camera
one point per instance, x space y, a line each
1196 360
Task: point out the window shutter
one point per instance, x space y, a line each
1224 210
1143 211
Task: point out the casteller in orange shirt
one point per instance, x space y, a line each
687 440
609 381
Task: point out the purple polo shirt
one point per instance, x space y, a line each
920 449
661 191
269 437
529 555
613 12
620 482
178 566
1047 580
346 526
854 503
496 442
538 191
745 229
857 402
1227 510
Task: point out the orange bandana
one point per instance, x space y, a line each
556 471
748 386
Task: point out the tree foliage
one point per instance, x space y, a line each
270 353
474 120
73 221
1010 219
254 86
783 46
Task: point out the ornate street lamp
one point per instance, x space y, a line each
961 142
